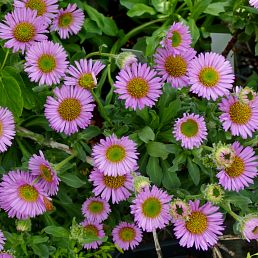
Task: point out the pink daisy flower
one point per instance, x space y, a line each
7 129
41 168
20 196
151 209
178 38
5 255
211 76
254 3
250 228
242 171
138 85
71 109
2 240
202 228
127 235
113 156
93 230
44 8
110 187
190 130
174 68
68 21
240 118
22 28
84 73
46 62
95 209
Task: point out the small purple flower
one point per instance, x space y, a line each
46 62
138 85
68 21
2 241
70 110
250 227
7 129
127 235
22 28
41 168
254 3
151 209
21 196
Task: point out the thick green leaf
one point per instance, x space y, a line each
238 200
162 6
72 180
140 9
146 134
144 114
154 171
170 179
178 160
194 171
89 133
170 112
41 250
157 149
216 8
57 231
194 31
130 3
199 7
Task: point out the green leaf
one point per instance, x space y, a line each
57 231
238 200
162 6
199 8
140 9
170 179
154 171
216 8
157 149
10 94
130 3
38 239
144 114
170 112
178 160
146 134
72 180
91 27
194 171
41 250
89 133
194 31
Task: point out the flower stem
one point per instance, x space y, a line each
207 148
5 58
63 162
229 211
111 82
100 54
157 245
252 142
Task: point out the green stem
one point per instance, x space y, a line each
63 162
233 214
5 58
100 54
111 82
207 148
252 142
101 108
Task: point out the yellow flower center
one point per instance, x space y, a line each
237 168
176 39
24 32
176 66
38 5
197 223
69 109
65 20
114 182
47 63
209 77
138 88
1 128
189 128
127 234
115 153
28 193
86 81
96 207
240 113
91 231
151 207
46 173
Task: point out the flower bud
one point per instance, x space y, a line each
140 182
246 95
214 193
180 209
23 225
125 58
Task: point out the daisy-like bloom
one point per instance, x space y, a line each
190 130
127 235
41 168
2 240
125 58
46 62
109 187
84 73
179 209
254 3
138 85
214 193
68 21
245 95
22 28
202 228
211 75
178 38
249 227
71 109
95 209
240 118
151 209
93 230
242 171
174 67
7 129
5 255
114 156
44 8
21 196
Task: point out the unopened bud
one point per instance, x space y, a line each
23 225
214 193
125 58
180 209
140 182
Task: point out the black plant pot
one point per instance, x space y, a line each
170 249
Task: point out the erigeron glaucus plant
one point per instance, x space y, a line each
99 146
